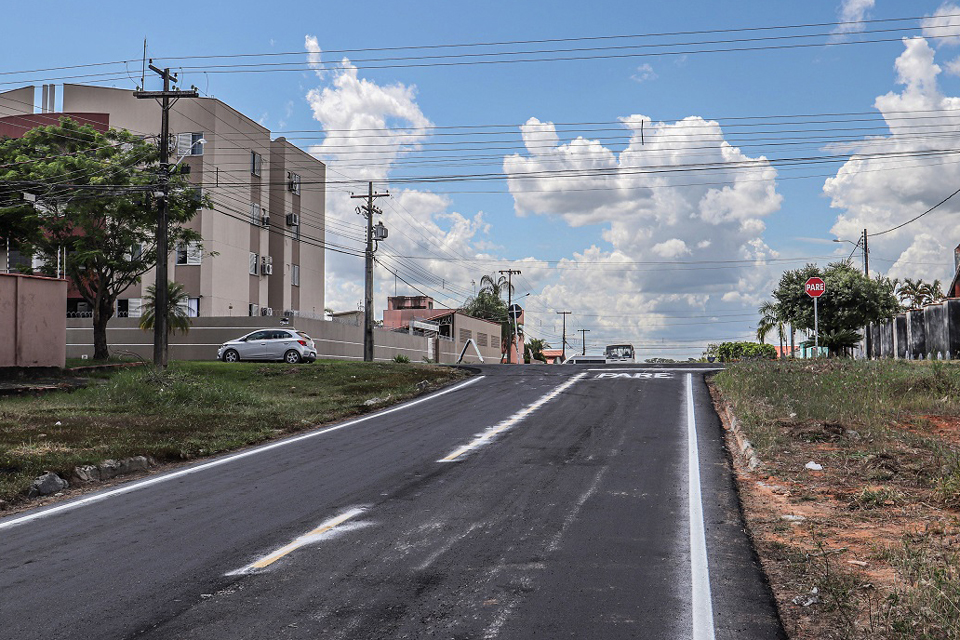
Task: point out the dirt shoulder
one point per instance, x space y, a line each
853 510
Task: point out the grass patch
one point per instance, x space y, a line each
192 409
884 552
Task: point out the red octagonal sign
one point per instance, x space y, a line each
815 287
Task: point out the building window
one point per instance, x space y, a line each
295 275
255 213
191 307
256 162
294 183
190 144
495 341
465 334
129 308
254 264
189 253
481 339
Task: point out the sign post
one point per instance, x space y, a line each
815 288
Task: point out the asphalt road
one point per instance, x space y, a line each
531 502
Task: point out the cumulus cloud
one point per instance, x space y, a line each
678 192
314 55
368 126
851 14
943 27
877 192
644 72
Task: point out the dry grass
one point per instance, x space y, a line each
876 531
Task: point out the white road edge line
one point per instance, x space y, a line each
702 604
684 369
491 432
82 502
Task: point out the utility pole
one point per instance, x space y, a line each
516 333
867 338
380 233
583 333
563 348
160 301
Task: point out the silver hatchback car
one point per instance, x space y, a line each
285 344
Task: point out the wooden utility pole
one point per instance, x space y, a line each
160 301
563 348
368 211
516 333
583 333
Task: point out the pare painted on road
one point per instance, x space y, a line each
640 375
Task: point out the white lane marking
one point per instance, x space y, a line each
642 375
684 369
699 569
491 432
82 502
321 531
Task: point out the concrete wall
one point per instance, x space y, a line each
333 340
920 334
33 319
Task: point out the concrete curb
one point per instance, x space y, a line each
745 446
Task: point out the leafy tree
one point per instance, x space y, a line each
91 194
486 306
533 349
850 302
177 318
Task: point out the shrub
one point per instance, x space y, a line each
742 350
401 359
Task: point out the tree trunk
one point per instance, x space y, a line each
102 312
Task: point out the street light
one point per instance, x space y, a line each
862 243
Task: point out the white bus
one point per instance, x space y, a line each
619 353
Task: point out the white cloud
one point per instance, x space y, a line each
314 54
852 13
644 72
662 225
878 193
356 113
943 27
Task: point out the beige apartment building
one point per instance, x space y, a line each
262 250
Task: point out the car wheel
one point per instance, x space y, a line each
291 357
230 355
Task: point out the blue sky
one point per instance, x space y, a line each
642 257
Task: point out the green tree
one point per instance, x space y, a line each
851 300
915 294
771 317
533 349
496 285
177 317
92 195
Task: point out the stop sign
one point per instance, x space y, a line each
815 287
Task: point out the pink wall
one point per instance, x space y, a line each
33 321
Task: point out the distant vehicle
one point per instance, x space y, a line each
620 353
286 344
582 359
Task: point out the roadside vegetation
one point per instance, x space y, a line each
193 409
864 542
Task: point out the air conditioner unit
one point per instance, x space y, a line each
265 311
267 267
269 311
264 220
293 220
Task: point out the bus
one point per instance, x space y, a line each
619 353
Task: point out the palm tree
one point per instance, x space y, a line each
771 317
911 294
536 346
495 285
177 318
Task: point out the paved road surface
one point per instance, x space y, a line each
531 502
